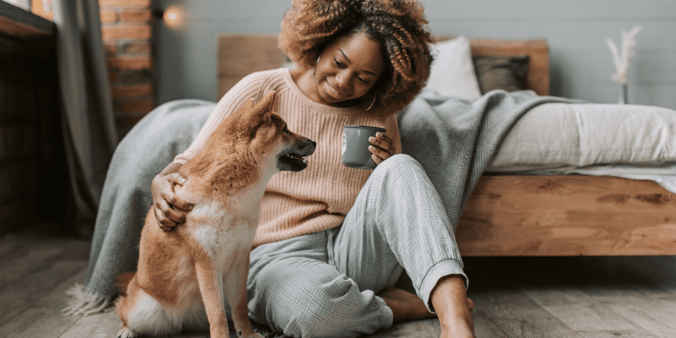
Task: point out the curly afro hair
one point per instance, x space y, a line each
398 25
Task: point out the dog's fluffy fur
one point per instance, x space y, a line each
184 275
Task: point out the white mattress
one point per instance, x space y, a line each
578 135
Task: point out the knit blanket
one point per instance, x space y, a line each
453 139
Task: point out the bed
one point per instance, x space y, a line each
516 214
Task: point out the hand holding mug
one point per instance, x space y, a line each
365 147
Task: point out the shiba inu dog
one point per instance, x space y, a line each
185 275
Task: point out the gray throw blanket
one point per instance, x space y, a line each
453 140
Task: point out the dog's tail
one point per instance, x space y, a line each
123 281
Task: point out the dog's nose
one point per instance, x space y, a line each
314 144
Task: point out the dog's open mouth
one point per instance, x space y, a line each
295 158
293 162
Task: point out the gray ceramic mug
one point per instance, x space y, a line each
356 144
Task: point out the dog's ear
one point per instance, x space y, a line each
266 104
256 118
262 110
247 105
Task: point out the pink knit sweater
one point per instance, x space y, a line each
319 197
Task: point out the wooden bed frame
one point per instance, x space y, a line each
513 215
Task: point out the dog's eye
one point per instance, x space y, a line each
285 130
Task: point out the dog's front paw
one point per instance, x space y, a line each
127 333
251 335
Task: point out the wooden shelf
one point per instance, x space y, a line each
19 23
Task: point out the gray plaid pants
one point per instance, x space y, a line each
324 284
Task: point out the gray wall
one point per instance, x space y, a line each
576 31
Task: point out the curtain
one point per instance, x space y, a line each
86 104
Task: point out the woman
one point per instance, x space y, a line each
332 240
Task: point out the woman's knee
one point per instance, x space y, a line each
398 164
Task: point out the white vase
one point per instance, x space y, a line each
623 95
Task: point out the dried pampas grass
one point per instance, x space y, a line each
622 57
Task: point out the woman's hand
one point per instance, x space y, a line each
381 148
169 210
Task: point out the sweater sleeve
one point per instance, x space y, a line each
249 87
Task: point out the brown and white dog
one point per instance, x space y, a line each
184 275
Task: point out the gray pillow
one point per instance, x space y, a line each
501 72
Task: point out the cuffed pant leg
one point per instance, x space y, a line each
292 289
397 220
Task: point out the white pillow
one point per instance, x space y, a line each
452 71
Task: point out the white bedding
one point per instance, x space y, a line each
630 141
579 135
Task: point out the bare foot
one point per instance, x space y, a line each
453 307
405 305
458 329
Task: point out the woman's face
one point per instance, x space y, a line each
347 69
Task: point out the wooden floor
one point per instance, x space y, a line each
515 297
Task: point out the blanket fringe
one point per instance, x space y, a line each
85 303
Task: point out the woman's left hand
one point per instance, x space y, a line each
381 147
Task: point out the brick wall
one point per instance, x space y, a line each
126 27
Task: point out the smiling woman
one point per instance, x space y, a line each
345 74
360 62
313 30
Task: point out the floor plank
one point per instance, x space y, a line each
43 317
628 290
518 316
9 247
512 312
587 297
570 305
616 334
657 319
102 325
19 296
32 253
420 328
484 326
32 258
